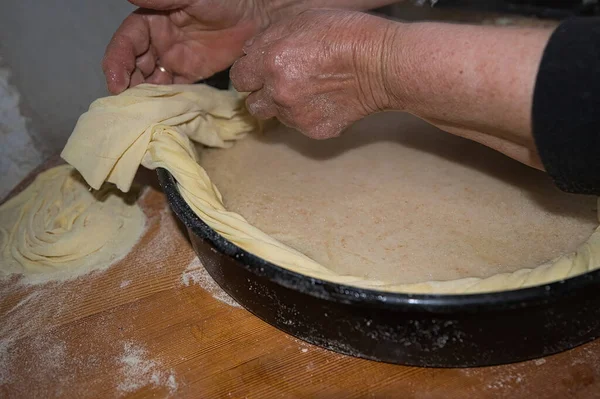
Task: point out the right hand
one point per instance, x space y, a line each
180 41
319 71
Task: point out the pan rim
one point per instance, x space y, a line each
436 303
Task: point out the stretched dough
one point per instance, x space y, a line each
58 229
151 125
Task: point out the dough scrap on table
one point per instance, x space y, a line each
152 126
58 229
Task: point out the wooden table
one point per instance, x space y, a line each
147 327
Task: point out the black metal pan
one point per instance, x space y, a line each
419 330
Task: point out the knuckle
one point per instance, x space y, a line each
283 95
276 57
322 131
287 119
312 132
258 106
272 61
235 73
253 106
238 75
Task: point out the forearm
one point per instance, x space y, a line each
284 8
473 81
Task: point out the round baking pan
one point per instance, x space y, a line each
412 329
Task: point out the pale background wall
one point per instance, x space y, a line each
53 51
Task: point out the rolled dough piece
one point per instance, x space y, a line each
151 125
57 228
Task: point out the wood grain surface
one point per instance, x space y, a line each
156 325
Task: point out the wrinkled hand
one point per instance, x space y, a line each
179 41
317 72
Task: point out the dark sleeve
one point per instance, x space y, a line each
566 106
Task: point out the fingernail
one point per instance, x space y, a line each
247 45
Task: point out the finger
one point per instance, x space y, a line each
160 77
181 80
322 130
264 38
247 73
146 62
284 116
181 61
160 4
131 40
260 105
136 78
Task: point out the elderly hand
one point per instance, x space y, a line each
183 41
180 41
317 72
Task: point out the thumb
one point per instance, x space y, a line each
162 5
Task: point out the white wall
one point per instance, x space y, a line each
54 49
51 51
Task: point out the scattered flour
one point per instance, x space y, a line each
506 380
162 244
30 343
41 358
18 154
16 323
539 362
304 347
195 273
52 343
137 371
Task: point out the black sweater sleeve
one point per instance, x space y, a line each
566 106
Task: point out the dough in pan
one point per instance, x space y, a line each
152 125
395 199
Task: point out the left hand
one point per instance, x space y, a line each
318 72
181 41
